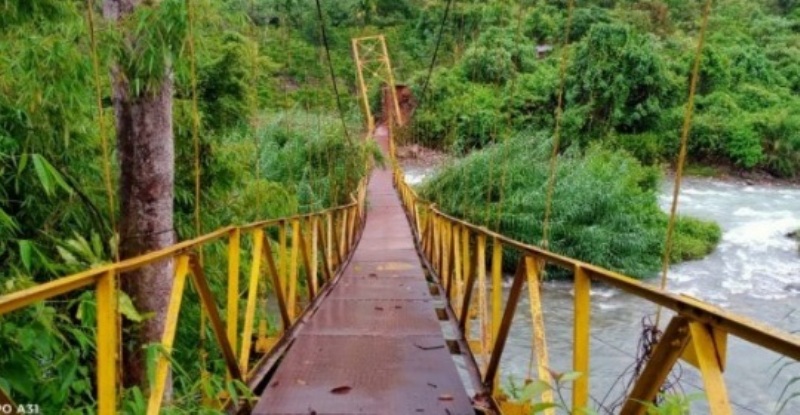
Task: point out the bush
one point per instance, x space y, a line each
647 147
694 239
605 208
487 65
312 158
621 78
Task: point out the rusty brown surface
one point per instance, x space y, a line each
375 345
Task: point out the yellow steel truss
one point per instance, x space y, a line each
698 333
341 224
372 64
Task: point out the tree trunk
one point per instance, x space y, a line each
147 163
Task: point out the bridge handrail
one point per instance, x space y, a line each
444 240
325 238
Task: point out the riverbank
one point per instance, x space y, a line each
732 174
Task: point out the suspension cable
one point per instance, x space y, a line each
687 126
204 375
101 121
551 185
333 73
551 182
195 115
106 157
435 53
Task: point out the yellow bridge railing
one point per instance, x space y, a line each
457 252
320 242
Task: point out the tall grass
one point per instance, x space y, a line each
605 208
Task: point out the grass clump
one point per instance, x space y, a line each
605 209
694 239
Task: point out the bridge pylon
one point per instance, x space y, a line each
372 63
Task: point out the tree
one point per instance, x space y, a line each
620 80
149 33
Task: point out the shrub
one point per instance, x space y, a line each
694 239
621 78
487 65
605 209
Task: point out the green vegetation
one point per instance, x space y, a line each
272 142
605 207
268 148
627 80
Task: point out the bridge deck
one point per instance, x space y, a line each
375 345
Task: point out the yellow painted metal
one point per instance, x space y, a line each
707 357
581 335
416 216
313 244
514 408
663 357
329 240
210 308
291 297
446 244
720 339
483 317
367 52
107 324
718 323
437 244
466 270
276 283
392 87
304 254
252 298
170 325
327 270
233 286
458 295
532 267
779 341
497 286
343 235
107 344
22 298
362 87
282 258
351 227
262 341
497 296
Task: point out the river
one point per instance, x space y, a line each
751 272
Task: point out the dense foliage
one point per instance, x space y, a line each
270 147
627 79
272 143
605 207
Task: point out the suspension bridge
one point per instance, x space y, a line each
388 305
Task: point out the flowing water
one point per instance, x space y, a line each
754 271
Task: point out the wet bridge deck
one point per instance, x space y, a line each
375 344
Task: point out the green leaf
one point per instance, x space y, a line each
42 173
533 389
569 376
23 162
97 245
7 221
25 253
49 176
67 256
541 407
127 309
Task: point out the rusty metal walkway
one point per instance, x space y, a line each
375 344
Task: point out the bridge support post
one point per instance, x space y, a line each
107 344
667 352
581 335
